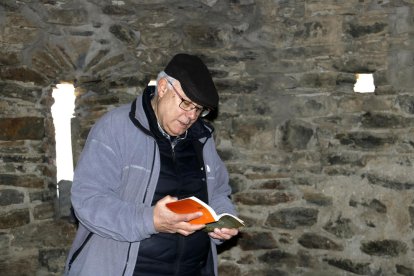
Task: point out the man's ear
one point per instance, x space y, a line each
162 87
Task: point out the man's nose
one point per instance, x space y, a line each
192 114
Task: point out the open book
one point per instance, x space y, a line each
209 217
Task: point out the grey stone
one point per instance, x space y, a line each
263 198
341 227
304 152
296 136
44 211
9 196
404 270
351 266
124 34
406 103
360 30
316 241
21 128
279 257
28 181
385 248
52 259
14 218
229 269
291 218
411 213
257 240
364 140
23 74
389 183
318 199
389 121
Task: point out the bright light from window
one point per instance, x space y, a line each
364 83
62 112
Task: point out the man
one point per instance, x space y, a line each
140 157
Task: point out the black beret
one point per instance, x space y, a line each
195 79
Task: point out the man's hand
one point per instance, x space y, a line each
167 221
223 233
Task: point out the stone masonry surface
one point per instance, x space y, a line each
322 176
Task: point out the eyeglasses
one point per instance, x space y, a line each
188 106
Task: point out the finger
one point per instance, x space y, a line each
229 231
224 233
214 236
189 217
190 227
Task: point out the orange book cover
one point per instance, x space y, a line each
192 205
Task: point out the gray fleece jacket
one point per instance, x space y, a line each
112 191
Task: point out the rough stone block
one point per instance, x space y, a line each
22 128
14 218
406 103
63 234
257 240
318 199
365 140
315 241
4 244
67 16
229 269
291 218
386 182
9 197
384 248
385 120
44 211
22 266
43 62
351 266
204 36
9 58
18 30
341 227
404 270
295 135
117 10
263 198
27 181
411 213
279 257
53 259
22 74
359 30
124 34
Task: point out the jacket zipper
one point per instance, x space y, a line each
152 169
79 250
143 201
126 263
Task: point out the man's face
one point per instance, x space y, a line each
173 119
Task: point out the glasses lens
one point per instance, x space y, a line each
204 112
186 105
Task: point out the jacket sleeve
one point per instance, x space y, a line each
95 190
218 181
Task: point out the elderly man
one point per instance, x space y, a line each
138 158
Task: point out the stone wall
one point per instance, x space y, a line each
322 176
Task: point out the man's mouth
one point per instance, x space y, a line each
184 124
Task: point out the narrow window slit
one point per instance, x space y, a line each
364 83
62 113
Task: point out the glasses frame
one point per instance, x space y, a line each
200 111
